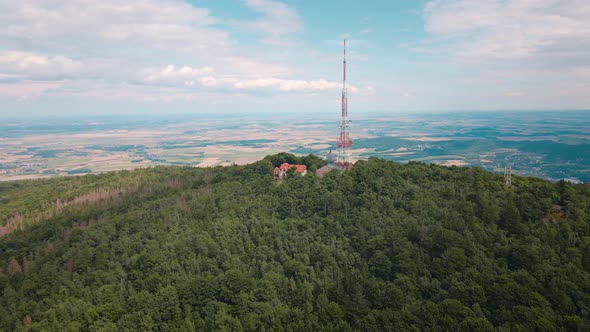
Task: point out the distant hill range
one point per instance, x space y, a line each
384 246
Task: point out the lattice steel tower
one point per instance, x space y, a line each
344 140
508 175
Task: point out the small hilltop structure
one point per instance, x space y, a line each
281 171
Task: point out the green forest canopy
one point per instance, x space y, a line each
384 246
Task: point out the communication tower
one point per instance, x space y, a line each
508 175
343 161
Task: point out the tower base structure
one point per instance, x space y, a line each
508 175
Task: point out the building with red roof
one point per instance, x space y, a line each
281 171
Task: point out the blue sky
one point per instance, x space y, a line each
173 56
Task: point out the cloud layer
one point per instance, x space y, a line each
109 45
539 32
205 77
459 54
31 66
536 51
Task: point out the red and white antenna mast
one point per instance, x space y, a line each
344 140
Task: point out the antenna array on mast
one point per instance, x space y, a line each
508 175
344 140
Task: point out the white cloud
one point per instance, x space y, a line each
551 33
25 64
516 94
194 77
509 53
251 68
288 85
27 89
582 71
82 27
278 22
105 42
171 74
146 50
208 81
280 19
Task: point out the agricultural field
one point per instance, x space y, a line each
549 145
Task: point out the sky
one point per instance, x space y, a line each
240 56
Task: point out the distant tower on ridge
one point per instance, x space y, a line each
508 175
343 160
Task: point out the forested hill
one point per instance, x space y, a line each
384 246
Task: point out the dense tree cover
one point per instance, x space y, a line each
384 246
29 197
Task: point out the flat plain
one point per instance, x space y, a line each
551 145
